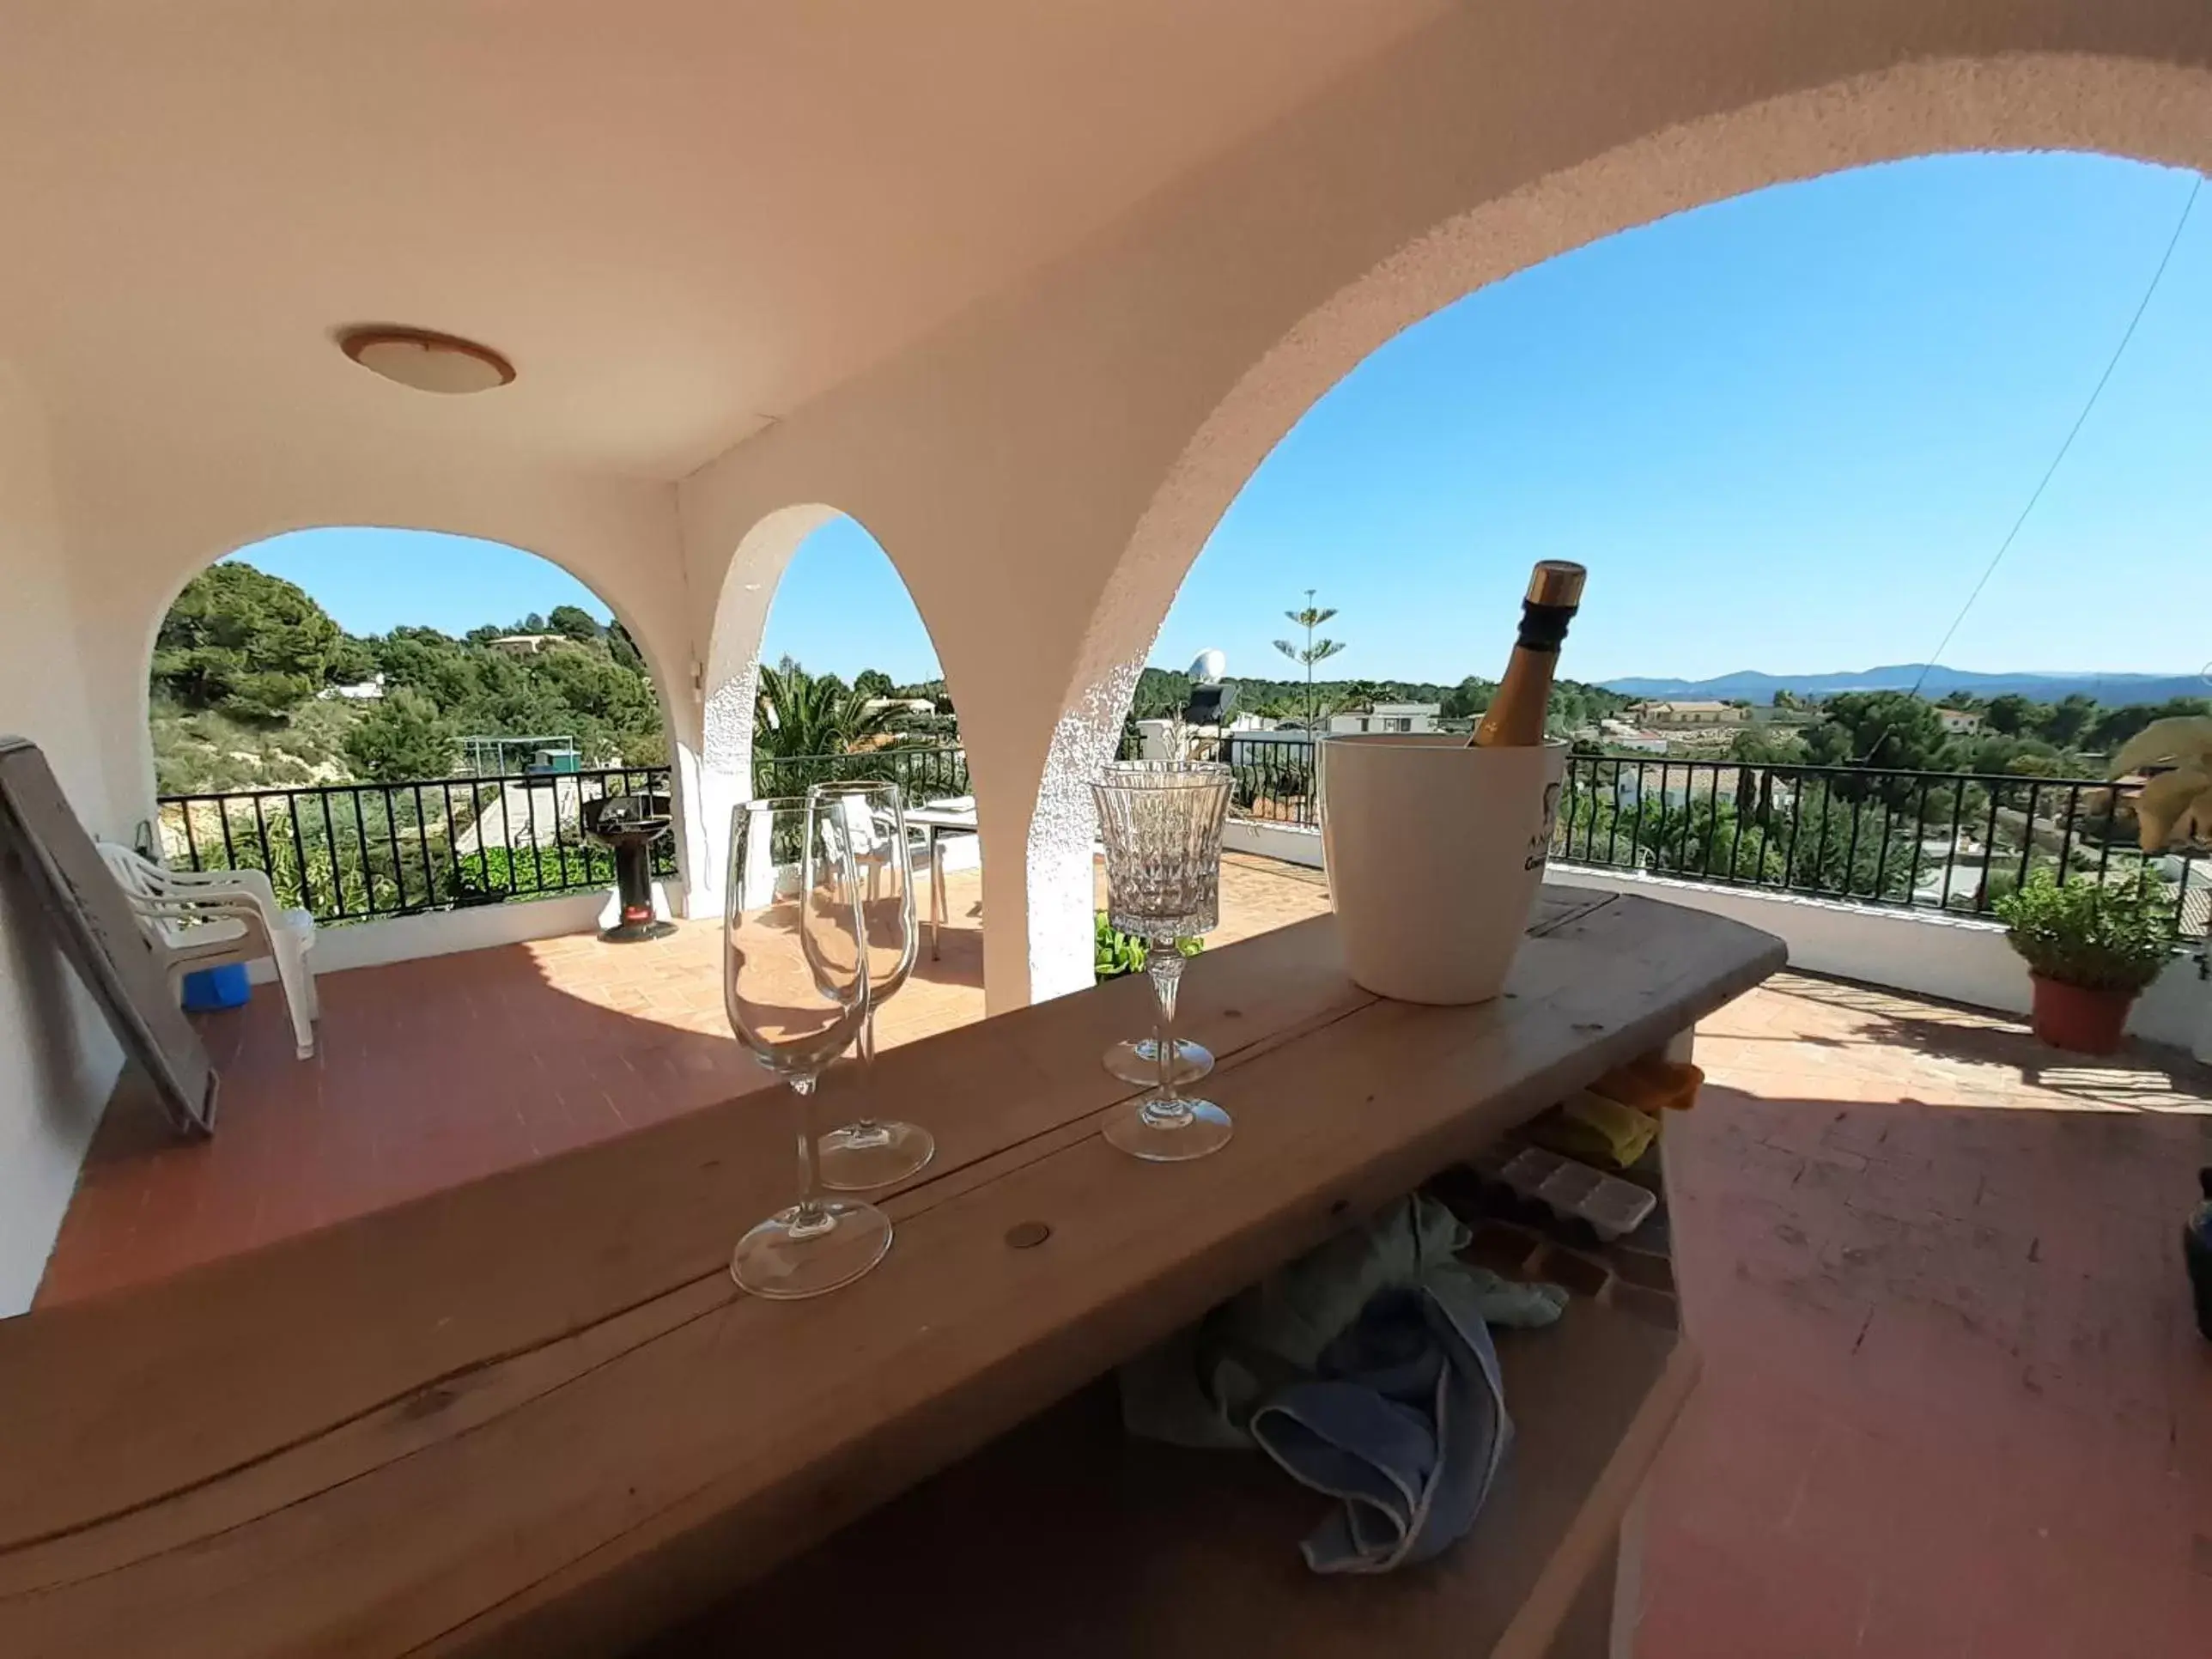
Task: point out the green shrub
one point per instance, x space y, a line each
1116 953
492 874
2101 936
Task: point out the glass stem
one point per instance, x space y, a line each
1164 965
811 1219
865 1131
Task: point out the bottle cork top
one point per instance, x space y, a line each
1556 582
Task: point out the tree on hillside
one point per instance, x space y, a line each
1876 729
796 714
573 621
2114 726
1574 703
244 643
1313 651
1162 694
873 682
624 649
353 660
1469 698
1994 752
404 737
2069 718
1766 745
2012 715
1359 697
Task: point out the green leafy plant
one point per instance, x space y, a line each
1116 953
2101 936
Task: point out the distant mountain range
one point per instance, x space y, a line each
2116 689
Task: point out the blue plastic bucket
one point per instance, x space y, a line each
216 987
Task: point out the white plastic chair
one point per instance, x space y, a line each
871 852
197 918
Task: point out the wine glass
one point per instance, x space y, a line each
1137 1060
871 1152
795 985
1161 822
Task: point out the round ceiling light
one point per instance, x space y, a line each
427 361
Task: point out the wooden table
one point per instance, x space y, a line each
533 1415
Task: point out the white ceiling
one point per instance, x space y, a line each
676 217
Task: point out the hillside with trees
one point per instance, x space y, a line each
248 669
2019 736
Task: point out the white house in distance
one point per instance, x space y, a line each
1625 734
1959 722
1691 714
527 645
1408 717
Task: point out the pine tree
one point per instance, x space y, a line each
1313 651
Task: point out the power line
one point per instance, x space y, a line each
1928 666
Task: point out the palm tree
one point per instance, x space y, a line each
1360 696
794 713
1311 651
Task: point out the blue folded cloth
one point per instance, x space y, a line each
1405 1425
1365 1369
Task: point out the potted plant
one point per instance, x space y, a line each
2091 948
1116 953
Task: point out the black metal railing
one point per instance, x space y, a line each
922 775
1273 778
347 852
1953 841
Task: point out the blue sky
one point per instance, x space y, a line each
1785 433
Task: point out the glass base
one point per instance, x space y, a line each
783 1261
860 1156
1139 1062
1197 1127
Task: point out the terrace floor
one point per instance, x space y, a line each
1952 1401
433 1072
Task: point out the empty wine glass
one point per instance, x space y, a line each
871 1152
1137 1060
1161 822
795 985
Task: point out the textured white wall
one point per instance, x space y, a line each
148 517
58 1060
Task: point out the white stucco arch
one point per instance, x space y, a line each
2144 111
147 522
723 769
665 689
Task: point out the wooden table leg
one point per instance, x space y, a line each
1587 1630
1601 1623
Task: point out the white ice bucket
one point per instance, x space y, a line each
1435 853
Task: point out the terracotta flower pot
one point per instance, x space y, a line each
2075 1017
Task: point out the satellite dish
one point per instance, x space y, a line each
1208 668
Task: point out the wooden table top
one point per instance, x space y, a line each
532 1411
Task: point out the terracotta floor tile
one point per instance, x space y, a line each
2008 1461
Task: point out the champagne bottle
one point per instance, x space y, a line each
1515 719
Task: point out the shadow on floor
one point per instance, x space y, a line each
2143 1077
